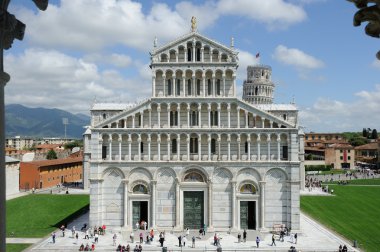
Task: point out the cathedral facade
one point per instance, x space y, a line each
194 154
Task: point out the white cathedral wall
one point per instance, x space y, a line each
112 200
222 199
165 198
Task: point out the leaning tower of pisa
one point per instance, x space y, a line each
258 88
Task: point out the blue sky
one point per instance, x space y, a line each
82 50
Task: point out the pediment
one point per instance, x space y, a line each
196 38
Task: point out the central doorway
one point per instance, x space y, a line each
139 211
193 209
247 214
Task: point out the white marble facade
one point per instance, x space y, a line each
194 148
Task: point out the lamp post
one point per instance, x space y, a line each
10 29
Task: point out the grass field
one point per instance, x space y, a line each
354 212
16 247
358 182
39 214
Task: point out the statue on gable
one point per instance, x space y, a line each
193 24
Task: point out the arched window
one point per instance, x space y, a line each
209 87
218 86
169 87
189 54
178 89
214 118
246 147
213 146
189 87
104 116
174 146
194 145
140 189
256 90
142 147
173 118
284 116
198 87
198 54
193 176
248 189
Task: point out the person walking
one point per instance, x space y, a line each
193 242
295 238
257 241
132 237
96 238
239 237
86 234
63 230
273 241
187 231
77 237
141 238
245 235
137 225
180 241
184 240
53 237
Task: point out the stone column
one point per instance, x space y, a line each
202 53
119 139
178 146
262 205
210 205
168 110
229 146
174 86
234 84
239 147
219 141
224 85
199 115
218 108
199 147
213 85
278 147
159 115
246 119
154 86
193 86
125 203
188 147
238 116
177 204
142 119
129 147
149 143
179 115
150 117
184 84
164 82
100 149
188 115
159 146
258 147
204 81
153 213
133 121
233 205
209 147
268 142
194 51
229 115
139 147
168 142
249 147
110 147
209 114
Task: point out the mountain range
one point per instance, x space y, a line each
42 122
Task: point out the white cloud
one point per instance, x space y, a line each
115 59
92 25
297 58
275 13
48 78
376 64
337 116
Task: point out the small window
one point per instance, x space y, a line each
104 116
341 157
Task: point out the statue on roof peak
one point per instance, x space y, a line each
193 24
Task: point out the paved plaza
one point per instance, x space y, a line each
313 237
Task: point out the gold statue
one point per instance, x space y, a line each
193 24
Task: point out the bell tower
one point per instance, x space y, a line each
258 88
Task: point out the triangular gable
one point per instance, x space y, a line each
197 36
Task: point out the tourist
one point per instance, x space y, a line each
151 234
193 242
73 231
344 248
273 241
96 238
340 248
136 248
245 235
141 238
114 239
215 240
204 229
180 241
127 248
81 247
104 229
63 230
257 241
53 237
87 248
161 239
295 238
184 240
239 237
187 231
140 248
93 247
145 225
137 225
86 234
77 237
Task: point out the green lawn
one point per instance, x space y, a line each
353 212
10 247
369 181
39 214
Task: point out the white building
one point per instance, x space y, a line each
12 175
194 153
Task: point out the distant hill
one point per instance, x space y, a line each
42 122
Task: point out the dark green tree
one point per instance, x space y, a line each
374 134
365 132
51 155
72 144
